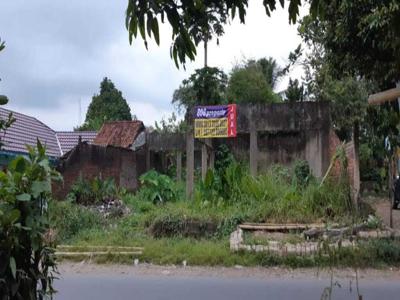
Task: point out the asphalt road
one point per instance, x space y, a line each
118 287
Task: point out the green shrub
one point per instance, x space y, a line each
302 172
209 189
68 219
157 188
137 204
386 250
94 191
27 263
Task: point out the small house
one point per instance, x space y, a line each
26 130
117 152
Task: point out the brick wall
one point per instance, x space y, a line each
334 143
90 161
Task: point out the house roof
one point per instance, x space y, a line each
25 131
69 139
119 133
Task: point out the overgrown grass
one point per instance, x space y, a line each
216 252
69 219
221 202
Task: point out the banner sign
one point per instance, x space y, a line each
218 121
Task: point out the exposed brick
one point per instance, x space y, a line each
90 161
334 143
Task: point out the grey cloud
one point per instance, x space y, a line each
56 50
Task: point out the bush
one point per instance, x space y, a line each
302 173
157 188
27 263
68 219
92 192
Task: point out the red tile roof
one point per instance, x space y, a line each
24 131
118 133
69 139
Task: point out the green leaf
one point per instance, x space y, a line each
3 100
14 216
39 187
18 164
13 267
23 197
149 23
41 149
142 26
155 29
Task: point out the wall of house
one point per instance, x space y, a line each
89 161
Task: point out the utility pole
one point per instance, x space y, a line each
205 52
207 153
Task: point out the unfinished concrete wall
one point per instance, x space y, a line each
285 133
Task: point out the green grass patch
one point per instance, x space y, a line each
172 229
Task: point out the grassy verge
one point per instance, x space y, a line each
211 251
172 229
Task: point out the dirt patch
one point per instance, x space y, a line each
383 207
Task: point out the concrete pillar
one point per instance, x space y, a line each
204 159
211 153
179 166
253 149
189 163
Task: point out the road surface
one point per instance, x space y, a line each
167 284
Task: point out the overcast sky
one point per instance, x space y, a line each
57 52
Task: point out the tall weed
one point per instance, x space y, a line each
157 188
68 219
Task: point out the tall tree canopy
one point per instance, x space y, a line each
354 51
205 86
191 21
253 82
294 91
359 38
249 82
270 69
109 105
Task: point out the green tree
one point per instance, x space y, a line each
353 53
28 265
170 125
191 20
249 83
294 91
109 105
270 68
349 104
204 86
359 38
